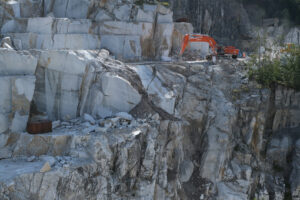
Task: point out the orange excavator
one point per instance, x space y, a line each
216 50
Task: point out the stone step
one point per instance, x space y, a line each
60 142
24 41
40 177
49 25
16 63
126 40
127 47
74 138
82 9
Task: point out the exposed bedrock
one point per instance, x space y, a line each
198 131
143 130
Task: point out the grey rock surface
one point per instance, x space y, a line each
209 139
146 130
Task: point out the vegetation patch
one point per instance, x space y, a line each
142 2
283 70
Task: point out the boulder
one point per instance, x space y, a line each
125 116
115 86
161 96
46 167
6 43
89 118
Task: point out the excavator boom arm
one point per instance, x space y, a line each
198 38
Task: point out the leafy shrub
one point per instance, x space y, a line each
139 2
284 70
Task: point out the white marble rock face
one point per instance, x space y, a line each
61 88
22 94
88 25
16 63
119 95
16 96
17 84
163 130
163 39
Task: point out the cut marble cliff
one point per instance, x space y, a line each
143 130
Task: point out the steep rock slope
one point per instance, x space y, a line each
196 130
199 131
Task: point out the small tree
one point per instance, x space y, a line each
284 70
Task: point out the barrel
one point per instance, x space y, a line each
38 127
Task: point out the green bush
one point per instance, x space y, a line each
284 70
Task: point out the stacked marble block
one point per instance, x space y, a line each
127 30
17 84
